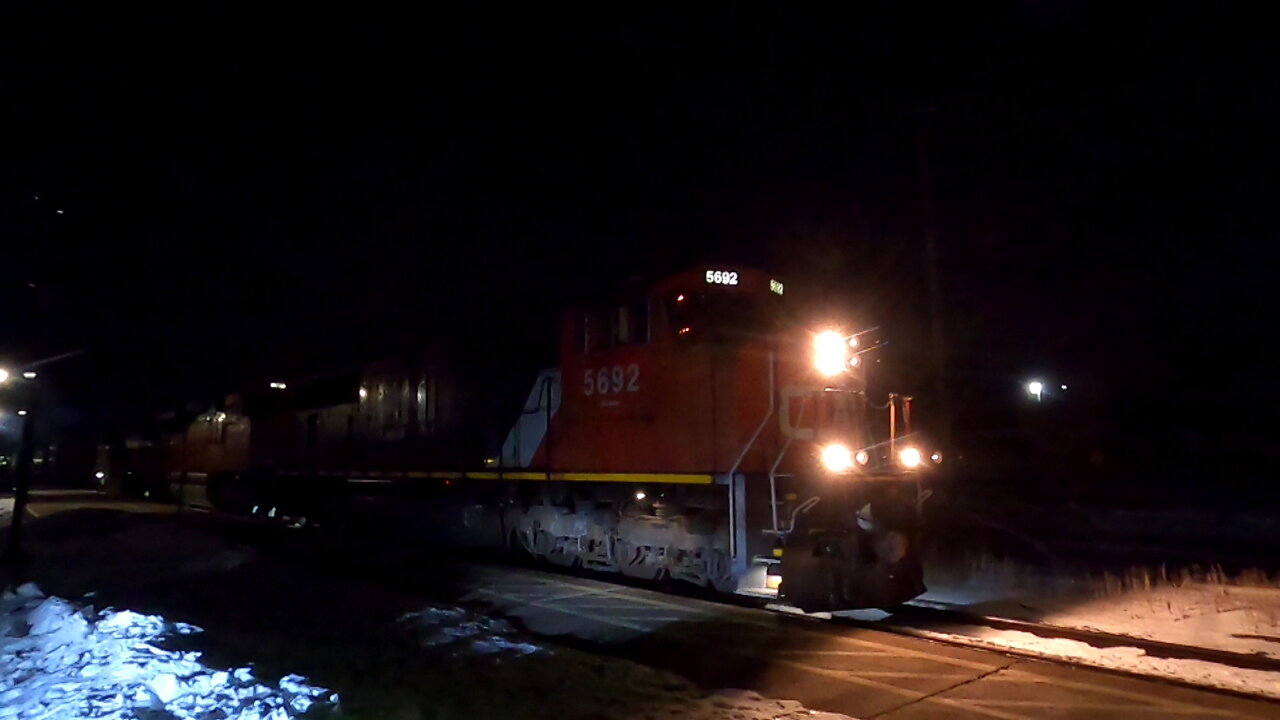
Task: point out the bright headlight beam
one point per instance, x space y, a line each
837 458
830 352
909 457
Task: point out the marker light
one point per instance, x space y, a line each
853 341
861 457
830 353
853 361
278 386
909 457
837 458
640 495
32 376
936 456
22 413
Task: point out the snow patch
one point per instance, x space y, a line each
1127 659
1225 617
59 659
478 634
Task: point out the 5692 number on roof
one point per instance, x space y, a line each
722 277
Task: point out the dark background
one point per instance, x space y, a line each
247 197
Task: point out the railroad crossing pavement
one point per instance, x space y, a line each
857 671
860 672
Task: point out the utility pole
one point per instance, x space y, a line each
21 484
29 400
933 278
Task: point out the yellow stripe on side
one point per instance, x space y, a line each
667 478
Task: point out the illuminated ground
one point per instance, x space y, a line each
334 615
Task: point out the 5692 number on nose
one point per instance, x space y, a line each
615 379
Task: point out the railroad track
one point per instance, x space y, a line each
930 617
924 619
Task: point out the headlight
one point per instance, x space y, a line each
861 457
830 353
909 457
837 458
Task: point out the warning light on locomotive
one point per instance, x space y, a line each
909 457
830 353
837 458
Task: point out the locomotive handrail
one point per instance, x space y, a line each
773 471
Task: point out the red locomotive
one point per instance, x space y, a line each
690 431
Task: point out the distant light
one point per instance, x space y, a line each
32 376
680 297
775 287
684 330
59 212
1036 388
22 412
640 495
278 386
4 375
364 393
99 474
1064 387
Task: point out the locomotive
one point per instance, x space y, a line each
691 430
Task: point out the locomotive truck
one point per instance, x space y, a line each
691 430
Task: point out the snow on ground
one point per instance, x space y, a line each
1127 659
1220 615
62 660
389 639
1186 611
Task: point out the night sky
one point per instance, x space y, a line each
246 196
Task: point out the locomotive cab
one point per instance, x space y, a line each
747 443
